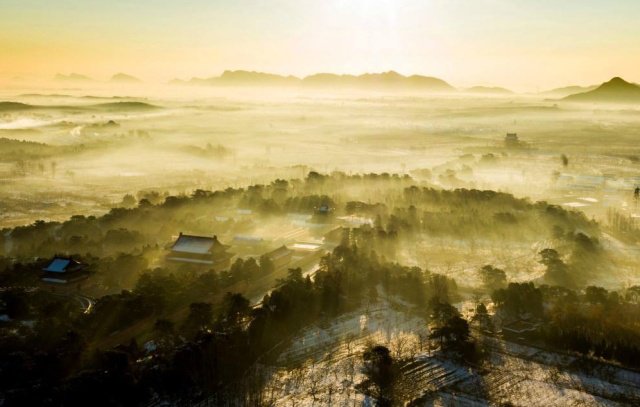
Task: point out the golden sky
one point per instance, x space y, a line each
522 44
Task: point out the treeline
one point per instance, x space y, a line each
488 214
474 214
155 216
594 322
395 202
347 278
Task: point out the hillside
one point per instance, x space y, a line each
14 106
133 105
568 90
111 106
617 90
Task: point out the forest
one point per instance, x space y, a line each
164 331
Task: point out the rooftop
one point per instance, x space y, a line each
196 244
279 252
60 265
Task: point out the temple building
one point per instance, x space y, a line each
280 257
202 250
63 270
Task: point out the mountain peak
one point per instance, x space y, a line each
618 82
616 90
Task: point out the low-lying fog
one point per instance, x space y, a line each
79 151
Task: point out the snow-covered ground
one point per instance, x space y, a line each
522 375
322 367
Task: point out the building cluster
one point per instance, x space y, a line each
200 252
209 253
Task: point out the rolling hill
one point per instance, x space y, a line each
132 105
7 106
568 90
14 107
617 90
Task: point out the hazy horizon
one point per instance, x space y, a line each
521 45
83 82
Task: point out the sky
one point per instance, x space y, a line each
521 44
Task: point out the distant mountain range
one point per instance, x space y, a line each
385 80
617 90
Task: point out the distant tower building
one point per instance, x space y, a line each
511 140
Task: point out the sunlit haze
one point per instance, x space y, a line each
523 44
310 203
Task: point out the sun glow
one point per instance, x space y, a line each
467 42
